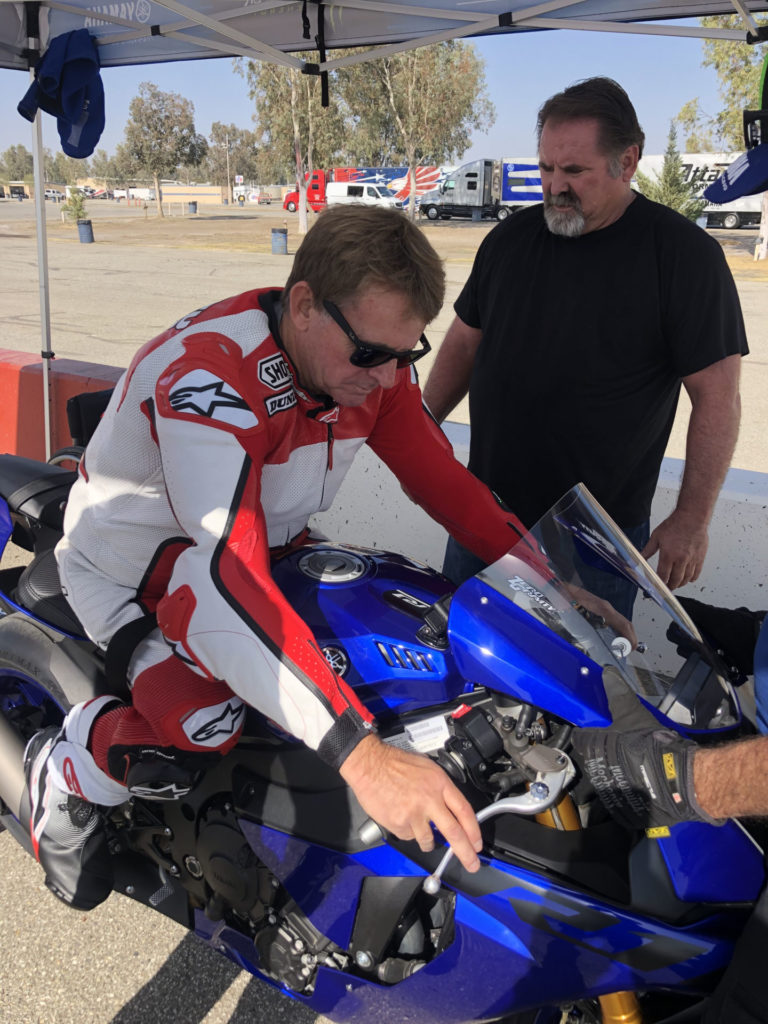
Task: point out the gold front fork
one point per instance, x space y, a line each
616 1007
620 1008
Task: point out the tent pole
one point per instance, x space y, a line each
42 274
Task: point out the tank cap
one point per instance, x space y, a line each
332 565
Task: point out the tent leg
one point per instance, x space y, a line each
42 271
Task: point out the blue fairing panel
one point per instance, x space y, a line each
498 644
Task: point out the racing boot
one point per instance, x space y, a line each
68 832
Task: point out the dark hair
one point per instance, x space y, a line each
353 247
601 100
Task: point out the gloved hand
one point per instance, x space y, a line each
642 772
644 777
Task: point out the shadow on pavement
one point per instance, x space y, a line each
192 981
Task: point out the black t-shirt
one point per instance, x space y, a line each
585 341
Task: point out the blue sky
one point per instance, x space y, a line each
660 74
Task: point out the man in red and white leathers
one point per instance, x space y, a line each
225 434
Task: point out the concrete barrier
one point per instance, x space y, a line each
22 430
371 509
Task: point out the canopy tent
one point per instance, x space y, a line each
148 31
138 32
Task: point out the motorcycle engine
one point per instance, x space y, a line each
234 874
244 892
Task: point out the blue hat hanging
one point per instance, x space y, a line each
746 176
68 85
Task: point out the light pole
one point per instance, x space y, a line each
229 187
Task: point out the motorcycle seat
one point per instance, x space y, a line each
35 488
39 591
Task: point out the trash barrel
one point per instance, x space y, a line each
193 207
279 241
85 230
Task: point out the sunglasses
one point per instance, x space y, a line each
367 354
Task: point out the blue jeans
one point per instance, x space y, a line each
459 564
761 677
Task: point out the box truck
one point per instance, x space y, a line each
486 188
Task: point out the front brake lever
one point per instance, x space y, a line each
554 771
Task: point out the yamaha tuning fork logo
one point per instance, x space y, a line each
128 10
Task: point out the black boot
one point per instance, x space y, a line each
68 834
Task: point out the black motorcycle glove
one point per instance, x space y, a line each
643 777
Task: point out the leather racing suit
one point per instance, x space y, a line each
209 455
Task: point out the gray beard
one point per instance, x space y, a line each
569 223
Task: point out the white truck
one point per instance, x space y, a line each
485 188
147 194
347 192
702 169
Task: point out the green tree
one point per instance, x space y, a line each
692 123
62 169
300 133
18 163
425 103
232 151
75 205
161 134
738 67
671 188
103 168
124 166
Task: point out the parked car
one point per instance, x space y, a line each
53 193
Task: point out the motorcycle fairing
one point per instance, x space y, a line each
498 644
325 883
700 861
555 577
513 921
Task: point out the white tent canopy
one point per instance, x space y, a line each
147 31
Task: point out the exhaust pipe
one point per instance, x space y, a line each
12 782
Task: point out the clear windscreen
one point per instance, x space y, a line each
573 572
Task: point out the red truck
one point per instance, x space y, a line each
316 182
393 178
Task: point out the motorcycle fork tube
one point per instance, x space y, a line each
563 817
620 1008
616 1007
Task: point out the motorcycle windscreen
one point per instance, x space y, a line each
564 575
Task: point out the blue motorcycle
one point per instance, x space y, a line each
271 860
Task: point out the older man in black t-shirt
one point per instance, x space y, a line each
581 319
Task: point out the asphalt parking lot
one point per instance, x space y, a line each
122 964
143 272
